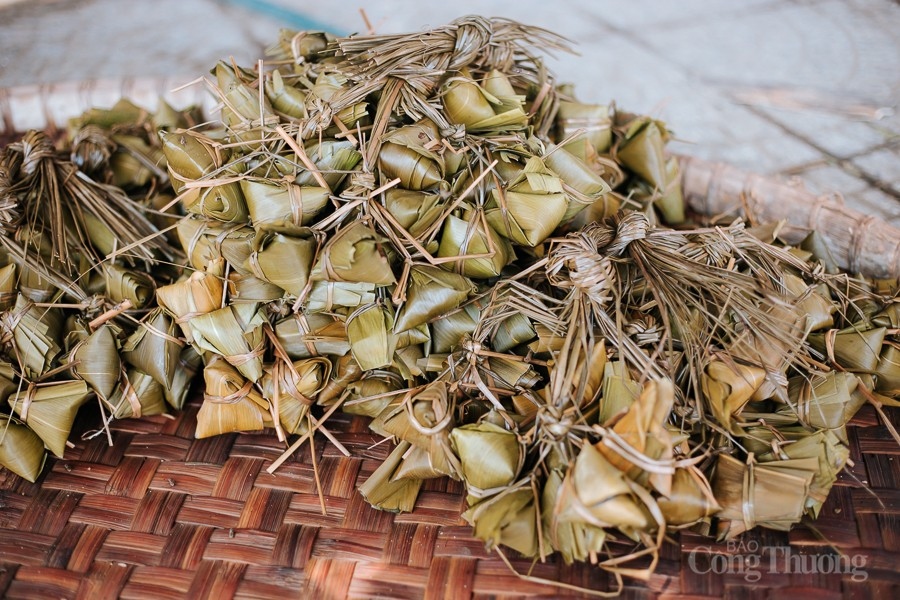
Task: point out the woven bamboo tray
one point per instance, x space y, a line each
162 515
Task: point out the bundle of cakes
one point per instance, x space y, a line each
429 230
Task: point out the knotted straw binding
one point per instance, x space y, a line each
232 398
131 396
242 359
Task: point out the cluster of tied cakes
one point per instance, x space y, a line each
428 230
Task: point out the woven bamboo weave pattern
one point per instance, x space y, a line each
162 515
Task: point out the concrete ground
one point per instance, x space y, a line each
799 88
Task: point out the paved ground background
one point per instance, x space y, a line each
804 88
